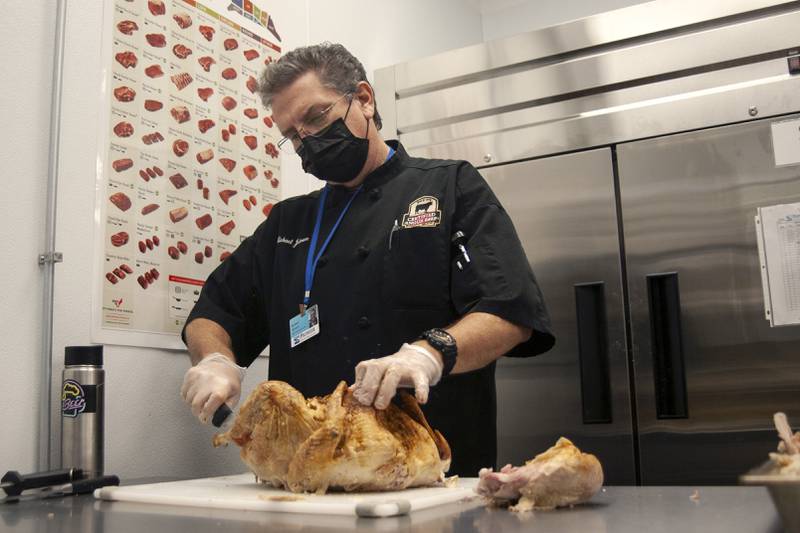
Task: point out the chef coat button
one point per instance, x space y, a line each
322 262
374 194
363 252
363 322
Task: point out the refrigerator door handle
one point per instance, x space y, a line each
590 303
666 342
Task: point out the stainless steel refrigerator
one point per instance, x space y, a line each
633 188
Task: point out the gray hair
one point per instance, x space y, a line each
336 67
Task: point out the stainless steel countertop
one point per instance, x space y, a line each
616 509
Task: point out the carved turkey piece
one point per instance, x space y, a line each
561 476
334 442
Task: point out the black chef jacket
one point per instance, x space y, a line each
377 288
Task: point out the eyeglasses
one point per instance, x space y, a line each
309 127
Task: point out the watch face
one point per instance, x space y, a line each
441 337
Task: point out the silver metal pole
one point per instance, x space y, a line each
50 257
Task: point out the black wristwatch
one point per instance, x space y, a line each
445 343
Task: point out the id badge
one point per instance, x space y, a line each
304 326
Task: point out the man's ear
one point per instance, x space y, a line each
366 98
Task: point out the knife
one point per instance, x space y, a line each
81 486
14 483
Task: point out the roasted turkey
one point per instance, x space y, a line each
334 442
561 476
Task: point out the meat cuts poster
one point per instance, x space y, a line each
188 158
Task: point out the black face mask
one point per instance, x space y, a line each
334 154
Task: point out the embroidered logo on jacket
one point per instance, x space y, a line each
423 213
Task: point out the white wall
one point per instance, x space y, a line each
510 18
25 104
384 32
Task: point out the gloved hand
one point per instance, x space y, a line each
210 383
412 366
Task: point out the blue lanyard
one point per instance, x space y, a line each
311 258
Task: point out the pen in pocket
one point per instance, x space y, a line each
459 241
391 232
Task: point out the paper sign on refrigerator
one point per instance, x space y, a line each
778 235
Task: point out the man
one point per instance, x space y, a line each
368 280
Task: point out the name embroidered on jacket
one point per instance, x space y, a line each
294 243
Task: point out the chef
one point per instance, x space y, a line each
401 272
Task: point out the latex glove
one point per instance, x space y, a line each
377 380
210 383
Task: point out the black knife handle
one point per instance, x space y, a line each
220 415
14 482
86 486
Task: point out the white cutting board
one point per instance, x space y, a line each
242 492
